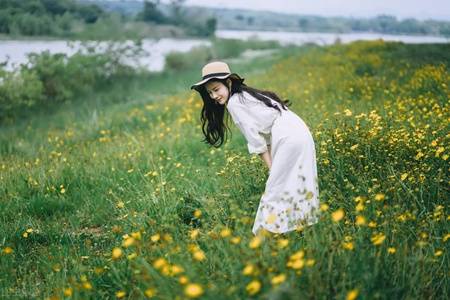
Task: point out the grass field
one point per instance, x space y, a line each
116 196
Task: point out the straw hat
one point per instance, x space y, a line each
216 69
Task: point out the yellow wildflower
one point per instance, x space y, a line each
378 239
156 237
338 215
248 270
359 206
87 285
176 269
348 245
159 263
120 294
446 237
127 242
310 262
439 151
352 295
255 242
296 264
419 155
324 207
226 232
199 255
391 250
27 232
167 237
183 279
197 213
68 292
379 197
150 292
360 220
8 250
116 253
297 255
372 224
278 279
194 233
193 290
132 256
136 235
253 287
282 243
166 270
235 240
359 199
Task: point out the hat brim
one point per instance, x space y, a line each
199 84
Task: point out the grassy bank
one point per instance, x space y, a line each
120 199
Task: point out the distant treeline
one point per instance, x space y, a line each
239 19
96 19
44 17
91 19
252 20
194 22
390 24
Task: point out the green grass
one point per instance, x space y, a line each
127 161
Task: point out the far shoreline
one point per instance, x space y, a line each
5 37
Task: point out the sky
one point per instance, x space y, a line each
418 9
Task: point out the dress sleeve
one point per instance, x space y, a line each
256 143
249 127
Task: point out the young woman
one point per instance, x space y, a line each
280 137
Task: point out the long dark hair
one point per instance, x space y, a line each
214 126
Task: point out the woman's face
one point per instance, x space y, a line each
217 91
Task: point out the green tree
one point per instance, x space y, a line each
5 20
29 24
57 7
211 25
386 23
178 14
90 13
151 13
34 7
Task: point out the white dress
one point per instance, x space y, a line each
291 196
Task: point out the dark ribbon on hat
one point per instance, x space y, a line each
214 75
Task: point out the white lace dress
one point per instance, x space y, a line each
291 196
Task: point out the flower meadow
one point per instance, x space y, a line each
130 204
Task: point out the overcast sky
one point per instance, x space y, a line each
419 9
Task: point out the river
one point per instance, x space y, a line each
14 52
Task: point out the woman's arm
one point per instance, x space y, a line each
266 158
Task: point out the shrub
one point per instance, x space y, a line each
176 61
220 49
18 93
51 79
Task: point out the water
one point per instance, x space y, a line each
300 38
155 51
152 57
